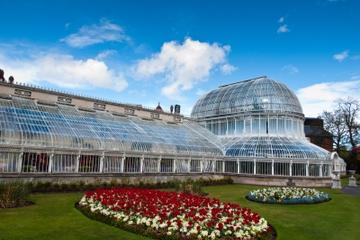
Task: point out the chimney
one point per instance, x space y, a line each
177 109
171 109
2 75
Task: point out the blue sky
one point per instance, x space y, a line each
145 52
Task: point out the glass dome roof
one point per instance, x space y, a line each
273 147
254 95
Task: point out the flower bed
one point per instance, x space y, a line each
172 215
288 195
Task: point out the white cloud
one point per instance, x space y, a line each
105 54
104 31
291 69
321 96
227 68
183 65
64 70
341 56
283 29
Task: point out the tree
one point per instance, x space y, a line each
350 110
334 123
343 124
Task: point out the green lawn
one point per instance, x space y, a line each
54 217
336 219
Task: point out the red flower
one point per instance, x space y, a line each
174 208
220 226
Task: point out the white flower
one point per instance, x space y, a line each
204 233
193 230
239 234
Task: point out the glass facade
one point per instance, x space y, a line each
256 125
253 127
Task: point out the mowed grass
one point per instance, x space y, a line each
54 217
336 219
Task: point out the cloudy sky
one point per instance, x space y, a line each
145 52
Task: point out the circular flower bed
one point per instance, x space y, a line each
288 195
172 215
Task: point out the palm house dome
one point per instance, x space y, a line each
258 119
254 107
250 96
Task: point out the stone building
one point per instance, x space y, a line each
315 132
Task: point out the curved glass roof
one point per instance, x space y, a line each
27 124
273 148
254 95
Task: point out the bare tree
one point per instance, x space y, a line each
350 109
334 123
344 125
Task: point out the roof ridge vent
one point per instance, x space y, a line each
242 81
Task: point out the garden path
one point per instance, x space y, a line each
351 190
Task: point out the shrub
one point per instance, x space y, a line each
191 186
113 183
13 194
55 187
63 188
73 186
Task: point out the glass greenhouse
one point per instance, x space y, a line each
260 123
73 140
253 127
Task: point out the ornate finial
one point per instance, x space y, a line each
159 108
